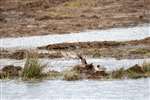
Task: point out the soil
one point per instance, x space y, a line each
41 17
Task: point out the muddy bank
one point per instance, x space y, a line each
22 54
136 49
89 71
10 71
105 44
129 49
26 18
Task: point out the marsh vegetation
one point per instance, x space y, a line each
33 69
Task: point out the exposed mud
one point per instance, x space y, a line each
135 49
40 17
22 54
129 49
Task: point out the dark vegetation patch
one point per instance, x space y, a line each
79 45
140 51
22 54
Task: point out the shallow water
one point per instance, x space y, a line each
61 64
115 34
76 90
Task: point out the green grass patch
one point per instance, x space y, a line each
146 68
134 75
32 69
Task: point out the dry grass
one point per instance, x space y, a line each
118 74
71 75
80 3
146 68
54 75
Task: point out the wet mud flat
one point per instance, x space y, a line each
28 18
128 42
128 49
135 49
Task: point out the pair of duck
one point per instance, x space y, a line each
91 66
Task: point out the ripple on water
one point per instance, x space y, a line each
76 90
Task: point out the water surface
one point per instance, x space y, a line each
76 90
115 34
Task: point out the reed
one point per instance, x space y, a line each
32 67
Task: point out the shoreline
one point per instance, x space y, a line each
75 32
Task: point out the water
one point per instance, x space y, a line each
115 34
61 64
76 90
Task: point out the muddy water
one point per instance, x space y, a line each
115 34
61 64
76 90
